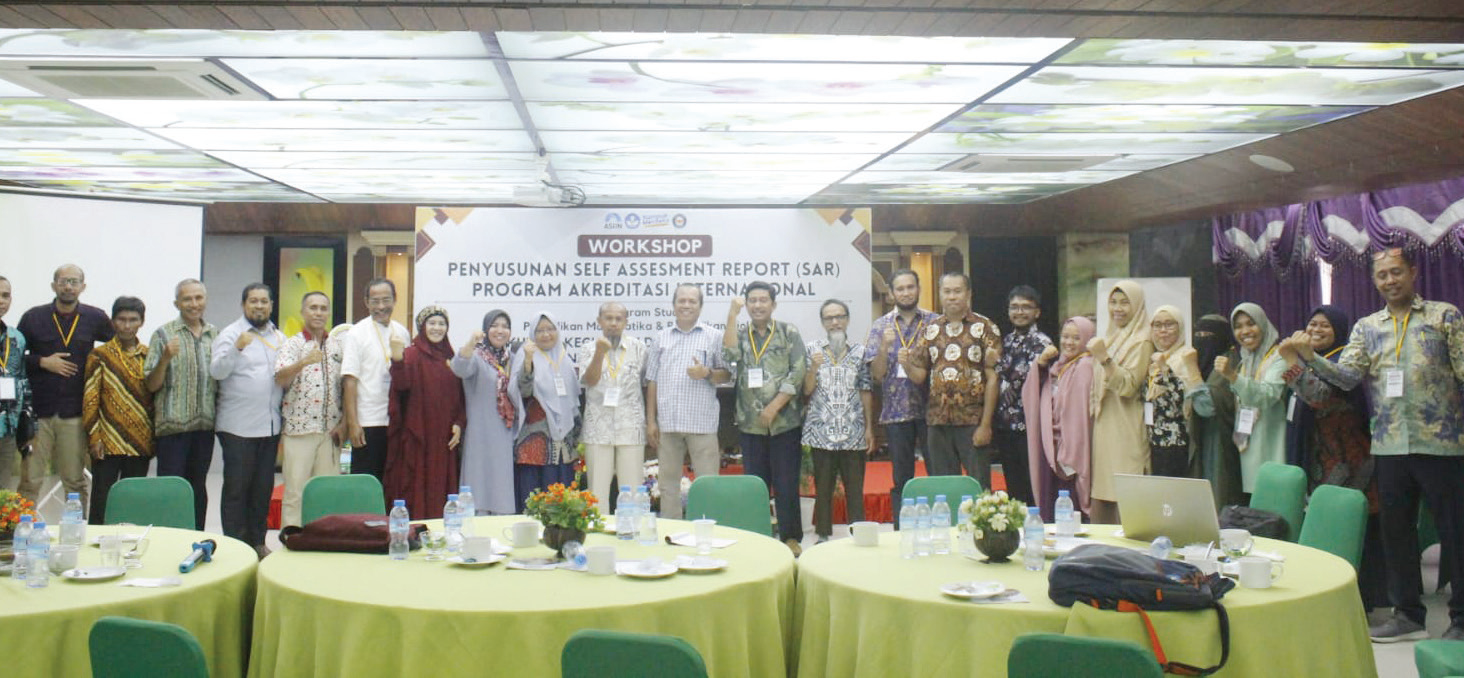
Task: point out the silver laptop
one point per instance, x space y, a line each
1182 509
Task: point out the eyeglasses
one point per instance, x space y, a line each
1022 307
1165 325
73 282
543 330
844 316
380 301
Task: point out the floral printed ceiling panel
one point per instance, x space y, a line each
661 118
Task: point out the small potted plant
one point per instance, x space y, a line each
996 524
567 513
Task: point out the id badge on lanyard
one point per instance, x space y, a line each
1245 420
559 387
754 377
612 397
7 388
1393 382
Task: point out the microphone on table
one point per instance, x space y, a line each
202 552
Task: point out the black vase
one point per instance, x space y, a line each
998 546
555 537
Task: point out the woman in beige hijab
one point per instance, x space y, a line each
1120 366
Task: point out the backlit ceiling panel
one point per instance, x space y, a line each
654 118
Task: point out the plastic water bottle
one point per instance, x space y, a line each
73 521
452 523
922 526
1032 536
640 506
965 538
625 514
346 458
21 546
398 522
940 526
907 528
38 571
1067 524
468 508
645 530
1160 547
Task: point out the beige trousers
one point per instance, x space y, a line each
706 460
306 456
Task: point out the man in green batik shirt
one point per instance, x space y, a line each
766 360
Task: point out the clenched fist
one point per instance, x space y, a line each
1048 355
1098 348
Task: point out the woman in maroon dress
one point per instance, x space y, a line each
427 419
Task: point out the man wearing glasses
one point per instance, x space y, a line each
58 337
1018 348
366 377
839 428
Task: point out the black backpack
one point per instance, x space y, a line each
1117 578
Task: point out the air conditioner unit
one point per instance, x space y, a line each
87 78
981 163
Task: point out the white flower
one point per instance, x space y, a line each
1001 495
978 533
999 523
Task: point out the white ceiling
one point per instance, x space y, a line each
659 118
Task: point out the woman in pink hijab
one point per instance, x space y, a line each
1058 427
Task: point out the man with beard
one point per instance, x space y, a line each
958 352
58 338
902 408
366 377
248 421
614 430
838 427
183 393
1018 349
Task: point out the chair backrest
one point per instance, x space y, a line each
1281 489
594 653
1335 522
134 648
734 501
166 501
330 495
1044 655
953 487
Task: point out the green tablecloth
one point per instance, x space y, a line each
868 612
45 631
336 614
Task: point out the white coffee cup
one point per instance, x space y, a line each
601 559
478 548
703 531
866 533
1236 542
1258 573
522 534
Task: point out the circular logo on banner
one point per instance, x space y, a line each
612 220
632 221
679 221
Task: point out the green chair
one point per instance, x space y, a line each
166 501
1335 522
134 648
1045 655
1439 658
1281 489
733 501
329 495
953 487
593 653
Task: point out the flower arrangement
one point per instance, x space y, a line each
995 512
563 506
12 507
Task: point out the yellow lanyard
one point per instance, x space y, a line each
66 336
127 359
1334 351
1256 373
614 371
757 353
5 363
264 341
901 332
553 362
1398 346
1070 363
385 355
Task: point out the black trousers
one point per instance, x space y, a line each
1402 481
105 473
902 438
248 481
188 456
1169 460
778 460
371 457
1011 453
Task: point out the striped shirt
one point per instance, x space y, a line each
186 401
116 407
683 404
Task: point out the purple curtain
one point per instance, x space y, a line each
1281 280
1287 301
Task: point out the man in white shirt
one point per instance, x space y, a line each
614 431
247 420
366 377
309 369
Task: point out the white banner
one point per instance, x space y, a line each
569 261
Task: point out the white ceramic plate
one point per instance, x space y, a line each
96 540
636 570
974 590
458 561
700 563
98 573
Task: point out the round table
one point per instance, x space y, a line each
344 614
865 611
46 630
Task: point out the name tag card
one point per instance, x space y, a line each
559 388
1291 408
7 388
1394 383
754 377
1245 420
900 372
1148 413
612 397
